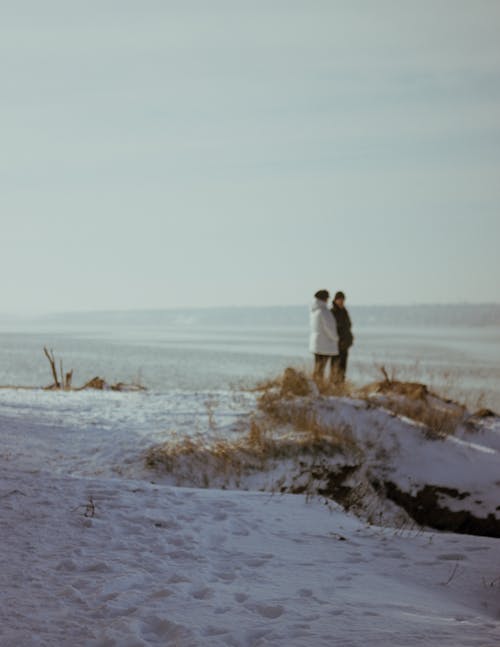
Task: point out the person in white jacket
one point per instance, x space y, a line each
323 341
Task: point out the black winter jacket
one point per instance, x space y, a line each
343 327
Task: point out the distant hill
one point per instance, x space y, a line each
412 315
434 315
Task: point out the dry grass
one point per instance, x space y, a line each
337 389
290 443
292 383
288 427
439 423
414 401
286 401
252 451
288 439
301 418
446 384
285 428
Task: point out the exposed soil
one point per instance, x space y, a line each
426 509
333 481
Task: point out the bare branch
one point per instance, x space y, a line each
50 357
385 374
90 509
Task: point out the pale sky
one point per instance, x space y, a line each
160 153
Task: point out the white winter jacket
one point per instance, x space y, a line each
324 339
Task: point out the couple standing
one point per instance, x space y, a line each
331 335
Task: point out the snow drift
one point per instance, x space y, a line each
394 454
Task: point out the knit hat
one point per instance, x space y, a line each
322 295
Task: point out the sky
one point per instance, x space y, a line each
166 154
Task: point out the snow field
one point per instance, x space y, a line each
95 554
169 566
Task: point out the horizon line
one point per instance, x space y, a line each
158 309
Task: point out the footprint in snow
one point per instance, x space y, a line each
239 527
204 593
225 576
160 594
98 567
305 593
176 578
269 611
67 565
170 632
255 562
395 554
219 516
216 631
179 540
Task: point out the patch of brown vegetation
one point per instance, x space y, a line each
484 413
294 383
288 438
100 384
412 390
414 401
281 412
286 427
439 423
198 461
288 401
259 443
390 386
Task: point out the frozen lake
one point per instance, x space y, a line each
455 352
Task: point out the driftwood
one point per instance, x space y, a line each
387 379
95 383
64 382
52 362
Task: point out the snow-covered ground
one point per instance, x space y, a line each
97 550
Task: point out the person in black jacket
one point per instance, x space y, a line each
339 362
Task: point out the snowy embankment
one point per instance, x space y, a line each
394 454
94 553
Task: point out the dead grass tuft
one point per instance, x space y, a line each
259 446
412 390
288 402
280 432
337 389
439 423
484 413
415 401
294 383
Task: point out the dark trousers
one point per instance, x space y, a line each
339 366
320 362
